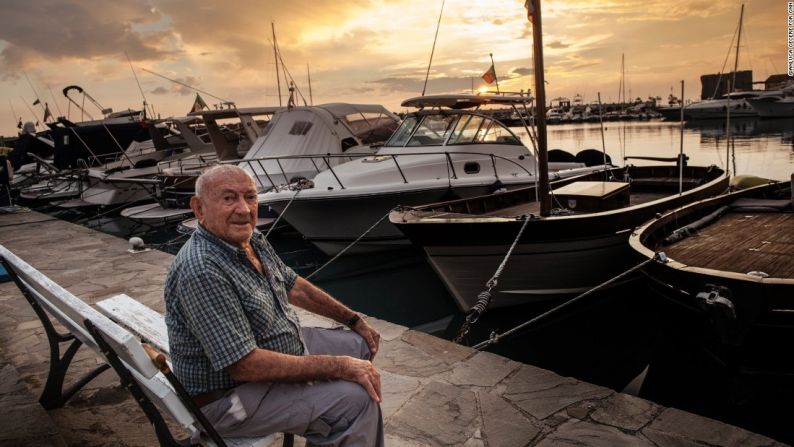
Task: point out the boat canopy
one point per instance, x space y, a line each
464 101
234 113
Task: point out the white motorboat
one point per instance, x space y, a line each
446 149
775 105
328 130
737 102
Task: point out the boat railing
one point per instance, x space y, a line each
258 168
191 162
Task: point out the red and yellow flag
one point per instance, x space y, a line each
490 76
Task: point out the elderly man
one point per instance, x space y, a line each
235 340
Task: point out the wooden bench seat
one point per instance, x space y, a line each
156 392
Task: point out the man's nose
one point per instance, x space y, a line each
243 206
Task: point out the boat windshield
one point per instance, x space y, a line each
371 127
440 129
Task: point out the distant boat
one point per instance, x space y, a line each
733 103
775 105
729 261
737 102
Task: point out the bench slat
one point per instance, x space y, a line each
138 318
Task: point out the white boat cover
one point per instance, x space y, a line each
316 130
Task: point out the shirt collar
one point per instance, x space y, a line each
256 239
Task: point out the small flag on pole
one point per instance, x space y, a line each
490 76
199 104
530 5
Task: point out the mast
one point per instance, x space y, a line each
533 7
309 76
736 59
275 56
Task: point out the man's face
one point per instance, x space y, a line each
228 208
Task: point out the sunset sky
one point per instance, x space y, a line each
366 51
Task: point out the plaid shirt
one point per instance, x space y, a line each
219 308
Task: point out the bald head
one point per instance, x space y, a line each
226 203
209 178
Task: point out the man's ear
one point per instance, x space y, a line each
195 205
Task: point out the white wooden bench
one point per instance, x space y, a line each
149 326
152 389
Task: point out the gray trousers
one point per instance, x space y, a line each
326 413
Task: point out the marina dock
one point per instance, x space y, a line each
435 392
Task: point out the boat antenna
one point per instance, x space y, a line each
309 77
14 113
433 50
736 59
186 85
288 76
37 101
30 109
725 62
139 86
55 100
603 142
533 14
681 147
275 56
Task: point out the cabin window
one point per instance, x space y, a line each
467 130
372 128
300 128
433 131
402 134
496 133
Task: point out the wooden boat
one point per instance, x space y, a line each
581 244
730 259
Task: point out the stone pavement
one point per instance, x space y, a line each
436 393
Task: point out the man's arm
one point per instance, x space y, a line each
262 365
308 296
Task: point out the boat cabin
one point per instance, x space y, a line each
449 122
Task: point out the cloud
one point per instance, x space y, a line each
522 71
57 29
557 45
159 91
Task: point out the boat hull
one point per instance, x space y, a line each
763 307
334 222
556 256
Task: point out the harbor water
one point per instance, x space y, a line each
626 336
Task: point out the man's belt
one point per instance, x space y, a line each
209 397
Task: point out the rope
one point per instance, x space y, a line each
484 297
281 214
495 338
338 255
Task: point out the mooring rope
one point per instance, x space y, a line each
496 338
484 297
278 219
338 255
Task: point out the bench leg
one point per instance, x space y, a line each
164 436
53 395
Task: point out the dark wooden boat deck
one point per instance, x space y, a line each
742 242
636 198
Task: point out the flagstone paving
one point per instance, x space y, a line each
436 393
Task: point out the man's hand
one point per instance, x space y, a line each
363 373
370 336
